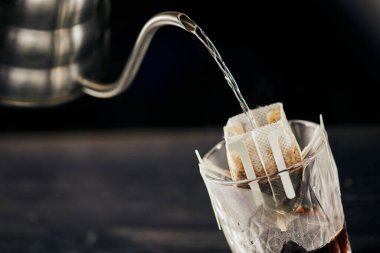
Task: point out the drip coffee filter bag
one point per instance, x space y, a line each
264 151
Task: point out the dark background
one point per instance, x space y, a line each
314 56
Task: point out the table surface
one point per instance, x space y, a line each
140 190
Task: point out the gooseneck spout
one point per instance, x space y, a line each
142 43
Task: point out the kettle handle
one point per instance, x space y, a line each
142 43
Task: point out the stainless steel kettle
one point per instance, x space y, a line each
51 51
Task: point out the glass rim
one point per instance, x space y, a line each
302 164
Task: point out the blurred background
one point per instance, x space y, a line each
314 56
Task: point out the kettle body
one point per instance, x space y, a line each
45 45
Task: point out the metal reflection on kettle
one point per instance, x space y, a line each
51 51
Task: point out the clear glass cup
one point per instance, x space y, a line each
311 222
